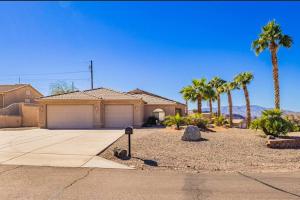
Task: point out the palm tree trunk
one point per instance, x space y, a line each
210 107
200 104
230 107
247 105
275 75
219 105
187 107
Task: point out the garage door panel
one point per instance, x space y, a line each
70 116
118 116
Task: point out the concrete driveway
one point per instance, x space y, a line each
62 148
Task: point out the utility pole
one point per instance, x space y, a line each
19 80
92 75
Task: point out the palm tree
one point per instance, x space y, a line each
210 96
187 93
228 87
272 37
217 83
199 86
242 80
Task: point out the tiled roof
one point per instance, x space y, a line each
151 98
5 88
70 96
109 94
94 94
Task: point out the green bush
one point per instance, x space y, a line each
294 119
197 120
220 121
174 120
272 123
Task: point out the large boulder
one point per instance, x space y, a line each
191 133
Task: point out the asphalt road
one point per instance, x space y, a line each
26 182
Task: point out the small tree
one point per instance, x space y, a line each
61 87
174 120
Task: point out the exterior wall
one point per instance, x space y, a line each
12 109
138 110
19 96
1 100
30 115
8 121
169 110
42 122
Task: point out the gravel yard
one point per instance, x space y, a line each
224 150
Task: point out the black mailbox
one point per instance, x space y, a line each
129 130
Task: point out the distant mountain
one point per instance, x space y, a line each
241 110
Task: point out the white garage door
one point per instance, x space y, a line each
118 116
70 116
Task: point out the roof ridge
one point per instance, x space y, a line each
53 95
158 96
112 90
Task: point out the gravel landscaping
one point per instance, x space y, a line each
228 150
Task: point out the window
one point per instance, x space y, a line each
27 92
27 100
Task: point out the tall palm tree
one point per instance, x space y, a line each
210 96
272 37
242 80
187 94
228 87
217 83
199 89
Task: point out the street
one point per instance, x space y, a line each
27 182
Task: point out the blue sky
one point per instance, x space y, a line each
155 46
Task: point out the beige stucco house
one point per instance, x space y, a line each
103 108
18 93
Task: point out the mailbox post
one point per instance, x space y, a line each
129 131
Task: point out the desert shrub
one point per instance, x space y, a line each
272 123
174 120
197 120
295 120
220 121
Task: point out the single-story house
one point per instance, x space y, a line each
103 108
18 93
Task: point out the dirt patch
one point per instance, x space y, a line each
227 150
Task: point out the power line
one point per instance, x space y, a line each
40 74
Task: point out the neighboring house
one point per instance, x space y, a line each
18 93
17 105
103 108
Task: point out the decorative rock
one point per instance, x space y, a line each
191 133
120 153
